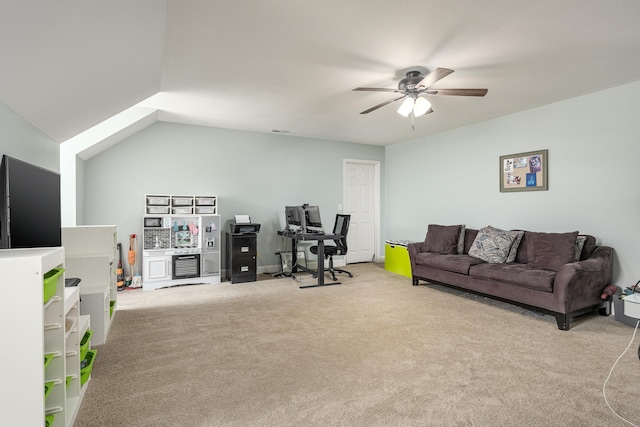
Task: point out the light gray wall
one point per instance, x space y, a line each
21 140
251 173
453 177
79 192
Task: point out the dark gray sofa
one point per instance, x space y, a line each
538 278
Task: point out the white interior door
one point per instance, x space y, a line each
361 201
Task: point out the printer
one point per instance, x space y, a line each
243 225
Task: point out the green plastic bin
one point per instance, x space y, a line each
85 343
48 386
48 358
87 365
48 420
51 282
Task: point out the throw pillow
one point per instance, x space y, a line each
550 251
579 245
442 239
463 228
492 244
513 252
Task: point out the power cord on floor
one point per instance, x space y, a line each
604 386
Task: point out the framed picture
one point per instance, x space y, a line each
524 171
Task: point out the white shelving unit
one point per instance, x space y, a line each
90 255
75 327
33 330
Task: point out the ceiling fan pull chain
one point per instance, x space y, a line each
413 116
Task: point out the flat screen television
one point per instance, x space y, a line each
29 205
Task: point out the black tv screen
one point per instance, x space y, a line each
30 211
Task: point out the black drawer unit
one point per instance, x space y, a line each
241 264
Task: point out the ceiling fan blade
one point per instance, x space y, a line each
376 89
434 76
457 92
382 104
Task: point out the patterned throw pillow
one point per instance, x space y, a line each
513 252
463 228
492 244
579 245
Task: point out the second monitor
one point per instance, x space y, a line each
312 216
305 218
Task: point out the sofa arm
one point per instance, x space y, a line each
414 249
579 284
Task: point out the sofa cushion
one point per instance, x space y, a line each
516 274
442 239
492 244
449 262
550 251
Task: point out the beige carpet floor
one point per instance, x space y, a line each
374 351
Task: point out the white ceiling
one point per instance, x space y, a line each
264 65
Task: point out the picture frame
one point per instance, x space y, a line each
524 171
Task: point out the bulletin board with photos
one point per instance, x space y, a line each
524 171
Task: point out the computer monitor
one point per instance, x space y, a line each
294 216
312 216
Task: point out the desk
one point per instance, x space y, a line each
320 238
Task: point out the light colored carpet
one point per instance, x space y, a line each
374 351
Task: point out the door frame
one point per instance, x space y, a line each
377 248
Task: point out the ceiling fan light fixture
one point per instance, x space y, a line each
406 107
421 106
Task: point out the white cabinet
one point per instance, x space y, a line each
90 255
155 267
40 339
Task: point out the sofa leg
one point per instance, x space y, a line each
563 321
414 281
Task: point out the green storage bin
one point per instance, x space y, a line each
112 305
87 365
48 386
47 359
85 343
396 258
51 282
69 379
48 420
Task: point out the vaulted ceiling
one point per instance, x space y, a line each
290 66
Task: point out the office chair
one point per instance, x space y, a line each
340 228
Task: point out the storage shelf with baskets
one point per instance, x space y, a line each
181 205
45 323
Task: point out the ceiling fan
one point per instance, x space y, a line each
413 86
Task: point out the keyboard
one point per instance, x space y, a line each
315 231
